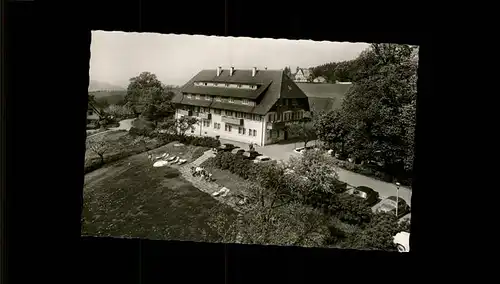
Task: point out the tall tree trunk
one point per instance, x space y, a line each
102 158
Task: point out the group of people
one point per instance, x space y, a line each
200 172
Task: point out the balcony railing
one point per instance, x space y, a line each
232 120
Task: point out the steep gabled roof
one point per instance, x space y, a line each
263 78
273 85
94 108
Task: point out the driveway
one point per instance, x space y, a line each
285 151
125 124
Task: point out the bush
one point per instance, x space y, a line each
209 163
227 160
141 123
236 164
134 131
350 209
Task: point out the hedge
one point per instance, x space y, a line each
236 164
209 142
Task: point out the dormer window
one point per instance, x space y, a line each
230 100
198 97
207 97
245 101
239 85
219 99
188 96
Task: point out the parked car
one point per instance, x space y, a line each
389 205
262 159
370 196
402 241
238 151
340 186
250 155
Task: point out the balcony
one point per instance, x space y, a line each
275 125
232 120
205 115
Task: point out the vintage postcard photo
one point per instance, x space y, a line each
250 140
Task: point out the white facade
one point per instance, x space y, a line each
251 131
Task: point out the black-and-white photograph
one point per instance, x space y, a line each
250 140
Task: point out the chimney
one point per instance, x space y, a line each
254 71
231 71
219 69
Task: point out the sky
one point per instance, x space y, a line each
118 56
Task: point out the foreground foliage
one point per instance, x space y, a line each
310 199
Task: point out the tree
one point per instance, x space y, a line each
377 117
379 234
331 130
273 186
303 129
119 111
293 224
180 125
146 95
98 145
91 98
374 106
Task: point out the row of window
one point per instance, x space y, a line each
220 99
236 114
229 128
225 85
285 116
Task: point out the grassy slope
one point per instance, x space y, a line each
137 200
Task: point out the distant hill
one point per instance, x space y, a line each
110 97
116 97
103 86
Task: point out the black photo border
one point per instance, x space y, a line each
60 46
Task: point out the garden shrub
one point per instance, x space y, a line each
227 159
209 163
350 209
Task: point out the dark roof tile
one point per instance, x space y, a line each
195 102
324 97
233 107
273 85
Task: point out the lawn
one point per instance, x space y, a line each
234 182
130 198
121 145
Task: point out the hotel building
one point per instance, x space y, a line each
249 106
